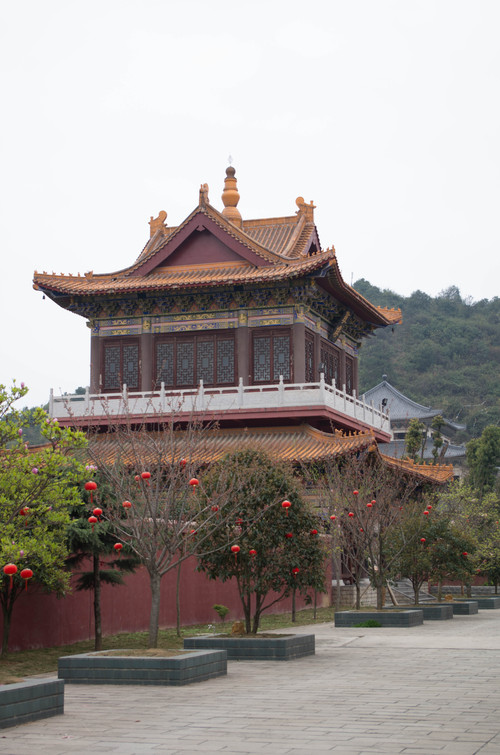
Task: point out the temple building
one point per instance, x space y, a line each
246 321
402 410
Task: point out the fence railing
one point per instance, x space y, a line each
228 399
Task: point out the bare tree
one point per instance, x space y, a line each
365 502
155 473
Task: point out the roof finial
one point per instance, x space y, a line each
230 197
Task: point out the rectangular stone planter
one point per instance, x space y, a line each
488 602
255 648
411 617
30 700
464 607
432 611
94 668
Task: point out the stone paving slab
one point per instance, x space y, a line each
432 691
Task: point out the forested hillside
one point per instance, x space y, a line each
446 354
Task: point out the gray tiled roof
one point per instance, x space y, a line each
453 453
400 407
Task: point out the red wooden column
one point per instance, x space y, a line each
243 347
146 361
95 362
299 352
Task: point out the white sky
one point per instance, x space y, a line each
385 113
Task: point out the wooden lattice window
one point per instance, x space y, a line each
349 375
330 359
271 356
120 365
182 361
309 358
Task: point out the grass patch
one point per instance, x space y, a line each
17 666
368 623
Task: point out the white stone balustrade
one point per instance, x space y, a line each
219 400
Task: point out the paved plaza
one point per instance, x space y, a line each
427 690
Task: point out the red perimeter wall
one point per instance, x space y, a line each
43 620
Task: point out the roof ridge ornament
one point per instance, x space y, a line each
305 209
157 224
204 195
230 198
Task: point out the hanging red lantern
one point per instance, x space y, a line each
426 513
252 552
314 532
351 514
373 501
26 574
422 539
239 522
97 513
235 549
361 529
429 506
286 505
24 512
183 463
92 521
289 535
355 492
193 482
465 554
146 476
9 570
137 478
91 485
333 517
118 547
127 505
295 571
369 505
215 508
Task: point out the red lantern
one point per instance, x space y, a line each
429 506
183 462
289 535
295 571
333 517
235 549
91 485
146 476
92 520
351 514
137 478
127 505
193 482
192 532
355 492
422 539
26 574
9 570
24 512
215 508
426 513
118 547
465 554
97 513
286 505
373 501
369 505
314 532
252 552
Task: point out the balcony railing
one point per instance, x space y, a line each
219 400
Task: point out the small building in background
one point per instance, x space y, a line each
402 410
